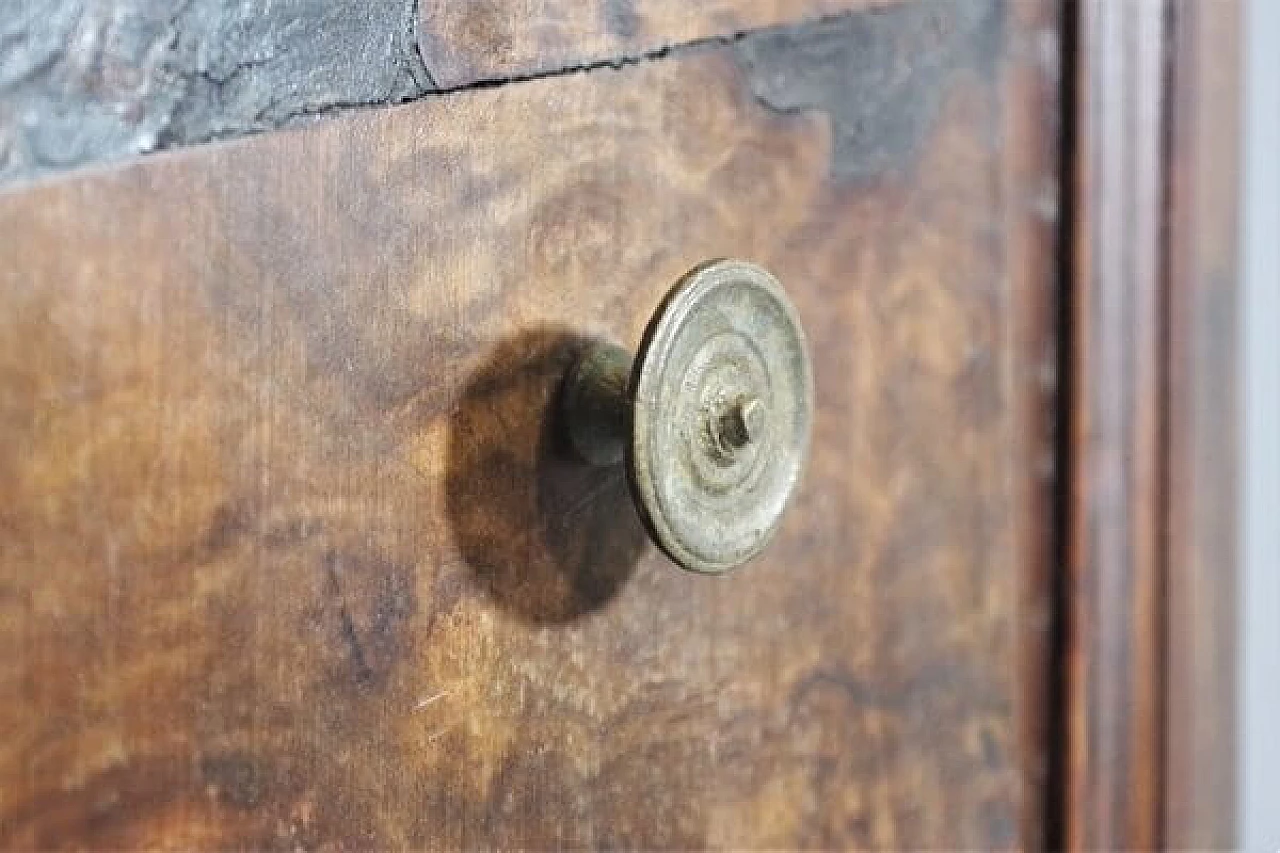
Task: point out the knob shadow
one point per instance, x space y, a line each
549 538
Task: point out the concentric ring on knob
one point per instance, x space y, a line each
722 409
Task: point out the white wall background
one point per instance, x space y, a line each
1259 674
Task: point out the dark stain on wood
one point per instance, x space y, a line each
373 601
620 18
877 76
235 778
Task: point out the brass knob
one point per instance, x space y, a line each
712 416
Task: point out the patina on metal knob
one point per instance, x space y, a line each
712 417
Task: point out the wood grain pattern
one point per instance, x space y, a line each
289 556
1204 187
1117 533
462 42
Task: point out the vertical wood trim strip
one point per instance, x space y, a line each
1203 410
1032 94
1115 528
1152 539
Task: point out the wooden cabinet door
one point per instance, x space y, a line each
288 556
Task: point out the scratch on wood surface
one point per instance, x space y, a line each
422 703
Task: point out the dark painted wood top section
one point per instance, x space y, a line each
289 558
88 81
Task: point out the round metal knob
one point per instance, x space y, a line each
712 415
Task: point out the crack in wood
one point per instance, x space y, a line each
197 75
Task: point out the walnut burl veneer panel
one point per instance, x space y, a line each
288 554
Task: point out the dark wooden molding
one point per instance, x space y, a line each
1203 189
1114 551
1033 90
1149 517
